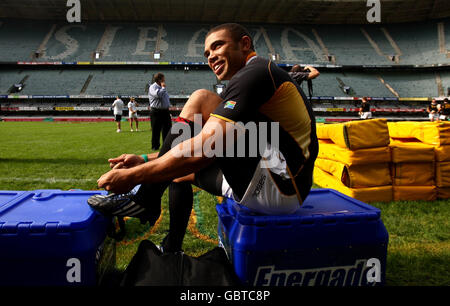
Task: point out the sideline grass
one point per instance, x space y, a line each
419 242
53 155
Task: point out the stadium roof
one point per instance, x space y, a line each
219 11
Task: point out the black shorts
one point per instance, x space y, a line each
117 118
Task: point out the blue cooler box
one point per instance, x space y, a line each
53 237
331 240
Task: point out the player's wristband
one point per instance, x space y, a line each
144 156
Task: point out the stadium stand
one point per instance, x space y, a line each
412 84
350 44
19 40
62 82
183 82
8 78
418 42
123 82
354 61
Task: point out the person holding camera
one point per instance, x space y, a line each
308 73
300 74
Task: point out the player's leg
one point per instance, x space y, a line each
166 124
202 102
119 119
156 128
209 179
180 206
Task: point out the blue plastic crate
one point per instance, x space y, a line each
331 240
51 237
7 196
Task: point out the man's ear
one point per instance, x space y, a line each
246 43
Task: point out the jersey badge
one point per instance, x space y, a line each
230 104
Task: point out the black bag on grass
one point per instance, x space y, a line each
150 267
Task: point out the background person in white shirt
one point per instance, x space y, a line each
132 113
118 110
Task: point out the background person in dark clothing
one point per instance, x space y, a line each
307 73
159 109
300 74
444 110
432 110
365 112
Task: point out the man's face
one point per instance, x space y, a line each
225 57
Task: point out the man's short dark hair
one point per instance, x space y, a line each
297 68
158 77
445 100
236 30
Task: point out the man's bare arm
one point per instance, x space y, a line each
314 73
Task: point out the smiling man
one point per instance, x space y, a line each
258 91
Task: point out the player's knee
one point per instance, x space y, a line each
201 97
196 102
201 94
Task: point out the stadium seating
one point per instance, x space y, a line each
351 45
61 82
182 44
8 78
118 82
366 85
183 82
412 84
418 43
19 40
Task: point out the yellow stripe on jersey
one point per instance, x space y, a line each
222 117
286 106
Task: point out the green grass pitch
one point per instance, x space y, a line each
52 155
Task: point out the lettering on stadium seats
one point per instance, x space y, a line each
144 39
289 49
365 272
68 41
196 43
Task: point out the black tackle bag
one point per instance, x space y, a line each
150 267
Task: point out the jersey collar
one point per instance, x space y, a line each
250 57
